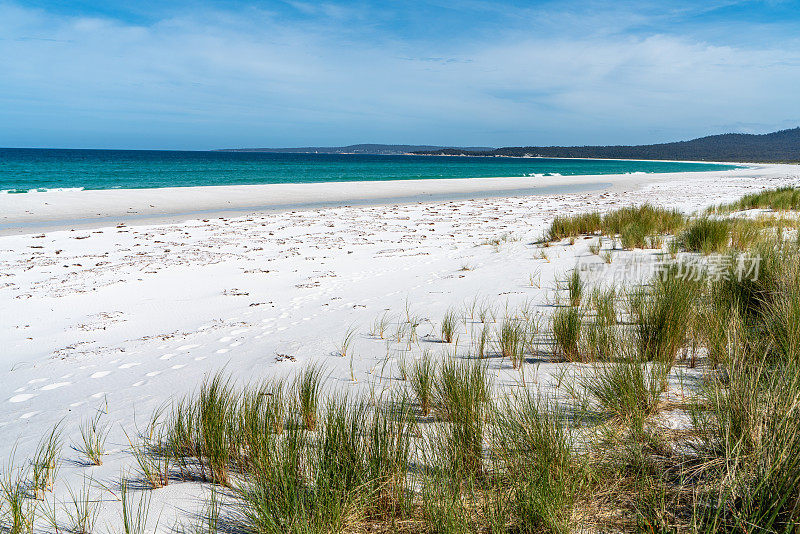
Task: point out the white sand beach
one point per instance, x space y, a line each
23 213
123 300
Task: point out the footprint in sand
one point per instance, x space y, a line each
29 414
55 385
137 384
188 347
235 344
151 374
224 339
129 365
21 398
166 356
37 380
223 351
178 366
100 374
98 394
200 358
238 331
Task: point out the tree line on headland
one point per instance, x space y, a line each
781 146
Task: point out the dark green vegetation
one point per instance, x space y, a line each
782 146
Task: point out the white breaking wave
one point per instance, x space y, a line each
39 190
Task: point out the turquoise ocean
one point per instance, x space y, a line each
28 170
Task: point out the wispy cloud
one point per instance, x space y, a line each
310 73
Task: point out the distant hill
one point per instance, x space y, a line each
782 146
358 149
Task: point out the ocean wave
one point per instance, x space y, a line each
39 190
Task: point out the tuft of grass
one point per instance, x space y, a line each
154 468
19 511
45 462
750 446
356 470
215 430
566 325
782 198
497 242
482 341
744 233
462 390
662 314
705 235
603 304
485 313
575 288
634 222
423 375
308 386
573 225
380 325
628 391
93 436
347 341
389 436
449 325
511 341
532 444
600 335
633 235
594 248
782 321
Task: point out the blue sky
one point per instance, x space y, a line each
200 75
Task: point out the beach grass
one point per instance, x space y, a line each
423 373
46 461
705 235
781 198
94 433
566 327
449 325
633 223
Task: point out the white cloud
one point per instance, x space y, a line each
222 78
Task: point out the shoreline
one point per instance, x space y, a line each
52 210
